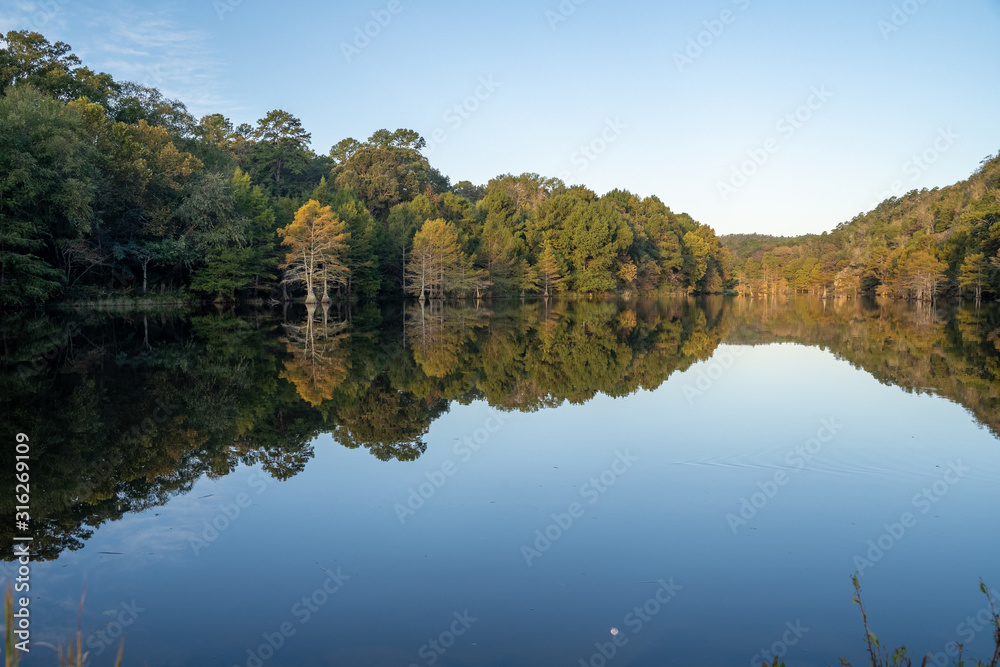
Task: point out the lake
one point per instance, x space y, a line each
672 481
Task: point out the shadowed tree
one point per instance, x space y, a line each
28 58
974 274
281 147
46 191
386 170
596 234
136 102
549 277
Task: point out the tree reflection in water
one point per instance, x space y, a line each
127 411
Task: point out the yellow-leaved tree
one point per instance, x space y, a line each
437 265
317 243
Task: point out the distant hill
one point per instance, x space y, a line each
927 243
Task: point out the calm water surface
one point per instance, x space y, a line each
666 482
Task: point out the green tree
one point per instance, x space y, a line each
231 227
437 266
342 151
974 273
921 275
215 143
281 148
216 130
402 224
696 252
385 171
549 276
877 266
469 191
144 180
498 256
656 249
27 58
595 235
367 238
135 101
46 191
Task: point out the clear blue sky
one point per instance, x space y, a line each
608 69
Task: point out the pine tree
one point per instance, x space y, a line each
362 248
498 255
549 277
527 277
974 274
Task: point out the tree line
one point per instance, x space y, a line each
109 188
924 244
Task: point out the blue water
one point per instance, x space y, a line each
647 559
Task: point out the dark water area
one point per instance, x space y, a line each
676 481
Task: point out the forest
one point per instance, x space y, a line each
924 244
109 189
